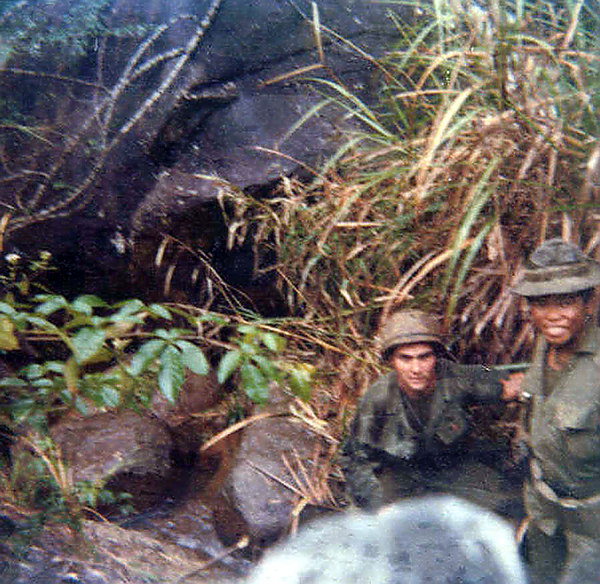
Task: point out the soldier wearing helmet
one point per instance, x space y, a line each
409 433
562 496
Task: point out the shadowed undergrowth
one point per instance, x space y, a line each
483 143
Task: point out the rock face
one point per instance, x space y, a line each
110 555
584 570
433 539
135 136
254 499
120 449
183 418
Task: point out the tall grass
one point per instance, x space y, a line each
483 143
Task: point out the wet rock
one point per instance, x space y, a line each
190 527
432 539
257 496
126 451
104 553
584 570
184 419
163 167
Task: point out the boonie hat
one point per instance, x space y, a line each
411 326
557 267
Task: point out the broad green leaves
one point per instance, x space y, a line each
255 356
229 363
255 384
87 342
192 357
172 372
129 344
123 339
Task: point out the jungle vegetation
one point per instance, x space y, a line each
483 143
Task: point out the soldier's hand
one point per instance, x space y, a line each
511 387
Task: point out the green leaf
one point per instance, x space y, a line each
110 396
128 311
43 297
6 308
301 382
228 364
255 384
130 306
82 406
465 266
246 329
193 357
208 317
102 388
273 341
160 311
172 373
480 196
86 493
40 322
53 366
51 304
12 382
8 340
168 335
78 320
248 348
147 353
23 409
87 343
33 371
266 366
42 382
86 303
106 496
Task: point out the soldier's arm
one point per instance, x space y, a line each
485 384
359 460
360 470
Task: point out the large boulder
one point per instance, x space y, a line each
122 144
186 419
258 494
124 451
584 569
431 539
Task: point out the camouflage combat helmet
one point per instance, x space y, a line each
558 267
411 326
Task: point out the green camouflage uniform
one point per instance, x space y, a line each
562 496
389 454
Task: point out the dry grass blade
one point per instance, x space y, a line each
473 155
240 545
236 428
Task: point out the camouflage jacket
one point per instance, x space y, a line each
564 428
383 434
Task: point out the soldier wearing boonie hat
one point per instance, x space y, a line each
410 428
557 267
562 496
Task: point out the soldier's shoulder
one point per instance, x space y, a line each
447 368
380 388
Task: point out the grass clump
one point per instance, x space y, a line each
483 143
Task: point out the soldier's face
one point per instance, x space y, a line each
560 318
415 368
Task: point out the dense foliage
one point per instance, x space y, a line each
88 356
484 142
